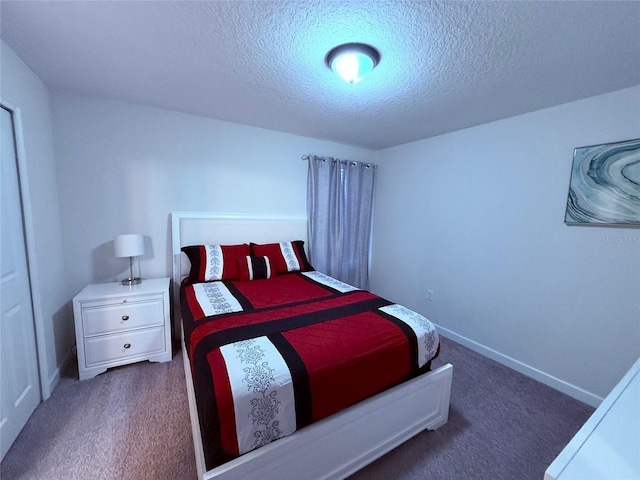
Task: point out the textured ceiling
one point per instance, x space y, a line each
445 65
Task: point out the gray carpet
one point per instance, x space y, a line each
502 425
133 423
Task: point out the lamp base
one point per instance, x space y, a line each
131 281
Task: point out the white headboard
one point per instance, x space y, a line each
209 228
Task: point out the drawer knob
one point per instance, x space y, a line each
127 345
125 317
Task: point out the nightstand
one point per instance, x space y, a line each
119 324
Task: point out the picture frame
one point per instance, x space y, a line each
604 188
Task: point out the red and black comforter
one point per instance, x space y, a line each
271 356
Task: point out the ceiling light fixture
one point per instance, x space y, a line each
352 61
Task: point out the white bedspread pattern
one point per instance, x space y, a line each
289 257
215 263
330 282
428 339
262 393
215 298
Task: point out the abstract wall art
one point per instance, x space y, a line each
605 185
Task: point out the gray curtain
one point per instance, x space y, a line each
339 207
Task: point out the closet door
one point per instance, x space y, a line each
19 382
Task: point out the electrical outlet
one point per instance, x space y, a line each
430 295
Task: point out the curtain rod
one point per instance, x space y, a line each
307 156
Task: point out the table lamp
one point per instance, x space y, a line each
129 245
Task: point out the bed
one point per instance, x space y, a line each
326 424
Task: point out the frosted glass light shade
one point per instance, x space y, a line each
129 245
352 61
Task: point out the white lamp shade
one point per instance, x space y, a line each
129 245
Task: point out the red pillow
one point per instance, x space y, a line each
215 262
284 256
255 268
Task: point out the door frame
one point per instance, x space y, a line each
30 242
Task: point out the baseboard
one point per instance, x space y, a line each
53 381
553 382
55 378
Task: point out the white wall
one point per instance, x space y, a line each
123 168
22 88
478 217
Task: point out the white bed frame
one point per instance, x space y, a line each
334 447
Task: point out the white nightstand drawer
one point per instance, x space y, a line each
99 319
123 345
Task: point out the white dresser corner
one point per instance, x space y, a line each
607 446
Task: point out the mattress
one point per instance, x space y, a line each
270 356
